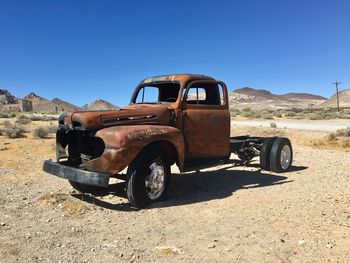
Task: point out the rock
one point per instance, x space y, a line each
329 245
301 242
2 224
211 245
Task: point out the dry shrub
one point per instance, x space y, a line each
332 137
52 199
273 125
251 114
267 115
73 207
343 132
23 120
51 128
41 132
36 118
42 118
234 112
4 115
13 131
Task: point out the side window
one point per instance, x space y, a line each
205 94
148 94
196 95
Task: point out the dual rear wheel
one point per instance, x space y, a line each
276 154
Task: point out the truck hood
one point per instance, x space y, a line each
130 115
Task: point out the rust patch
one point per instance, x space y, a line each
144 134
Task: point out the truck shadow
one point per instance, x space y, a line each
196 187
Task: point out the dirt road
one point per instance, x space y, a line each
310 125
227 214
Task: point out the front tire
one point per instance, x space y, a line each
148 178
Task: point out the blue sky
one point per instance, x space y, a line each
83 50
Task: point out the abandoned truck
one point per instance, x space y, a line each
174 119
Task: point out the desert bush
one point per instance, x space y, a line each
247 109
51 128
22 119
37 118
250 114
234 112
41 132
267 115
13 131
277 114
273 125
51 118
290 114
332 137
7 123
343 132
4 115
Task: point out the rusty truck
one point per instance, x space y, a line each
181 119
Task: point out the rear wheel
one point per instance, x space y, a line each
265 153
281 155
148 178
84 188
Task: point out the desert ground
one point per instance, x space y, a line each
230 213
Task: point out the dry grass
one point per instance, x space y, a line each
64 201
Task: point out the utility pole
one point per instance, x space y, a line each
336 86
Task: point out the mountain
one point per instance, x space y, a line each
259 99
258 93
56 105
7 98
33 97
100 104
344 100
302 96
36 100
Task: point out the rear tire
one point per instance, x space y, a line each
84 188
281 155
265 153
148 178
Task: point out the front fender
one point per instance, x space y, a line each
124 143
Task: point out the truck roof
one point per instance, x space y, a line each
181 78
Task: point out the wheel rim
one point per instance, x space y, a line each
155 180
286 154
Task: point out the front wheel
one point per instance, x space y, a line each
148 178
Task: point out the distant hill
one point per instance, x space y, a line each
7 98
56 105
36 100
257 93
262 99
100 104
33 97
344 100
302 96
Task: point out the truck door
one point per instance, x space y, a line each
206 119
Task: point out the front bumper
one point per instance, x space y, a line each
76 174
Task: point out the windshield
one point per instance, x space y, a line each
157 93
